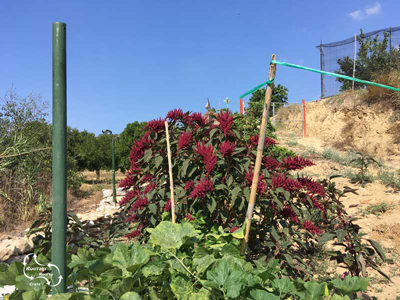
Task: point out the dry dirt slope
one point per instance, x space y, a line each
348 121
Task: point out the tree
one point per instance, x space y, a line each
257 99
132 131
93 153
373 59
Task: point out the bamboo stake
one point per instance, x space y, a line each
171 181
260 148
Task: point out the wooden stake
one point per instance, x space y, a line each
171 181
260 148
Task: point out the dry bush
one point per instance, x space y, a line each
387 98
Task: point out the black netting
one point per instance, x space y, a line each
330 53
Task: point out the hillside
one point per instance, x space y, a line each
349 121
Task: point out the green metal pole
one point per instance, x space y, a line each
113 171
59 217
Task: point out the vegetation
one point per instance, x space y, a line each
180 262
373 59
132 131
257 100
377 208
25 164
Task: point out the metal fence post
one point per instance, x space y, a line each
59 160
354 59
321 54
113 170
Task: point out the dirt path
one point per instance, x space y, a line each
383 227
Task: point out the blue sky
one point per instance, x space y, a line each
135 60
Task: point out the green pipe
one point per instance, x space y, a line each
59 161
113 171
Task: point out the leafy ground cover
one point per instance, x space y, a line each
179 262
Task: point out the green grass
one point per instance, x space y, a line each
377 209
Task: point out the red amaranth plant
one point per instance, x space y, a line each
213 180
311 227
296 163
271 164
225 120
177 115
155 125
201 188
226 148
208 155
288 184
184 140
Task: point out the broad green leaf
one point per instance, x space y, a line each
234 193
182 288
377 248
203 263
337 297
325 238
129 260
34 295
340 234
211 206
153 208
220 186
153 268
185 165
147 155
228 276
262 295
315 290
171 236
131 296
351 284
229 180
158 161
283 285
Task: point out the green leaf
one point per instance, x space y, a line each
185 165
315 290
220 186
325 238
211 206
131 296
227 276
283 285
229 180
153 208
147 155
337 297
212 132
340 234
377 248
182 288
234 193
129 260
350 284
153 268
34 295
171 236
158 161
262 295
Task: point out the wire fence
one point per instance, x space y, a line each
330 54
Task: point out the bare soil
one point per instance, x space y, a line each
384 228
